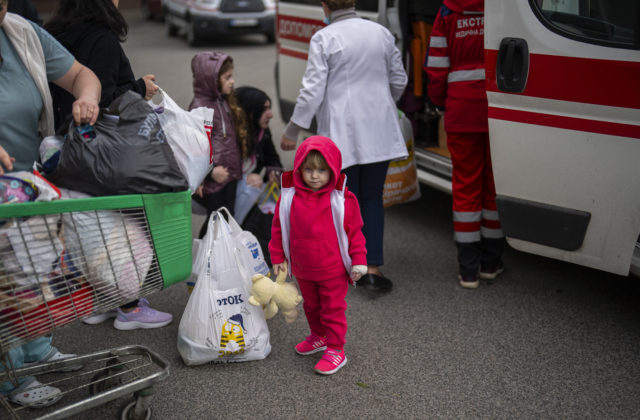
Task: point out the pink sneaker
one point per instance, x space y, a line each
331 362
311 344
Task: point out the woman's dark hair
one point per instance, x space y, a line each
252 101
72 13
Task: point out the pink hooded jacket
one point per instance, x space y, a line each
313 241
226 152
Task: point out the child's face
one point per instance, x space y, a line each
315 178
226 82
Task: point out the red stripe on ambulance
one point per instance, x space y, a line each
293 53
585 80
569 123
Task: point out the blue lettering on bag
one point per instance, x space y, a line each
230 300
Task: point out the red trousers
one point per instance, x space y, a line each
474 193
476 226
324 306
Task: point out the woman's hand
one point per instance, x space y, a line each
83 84
220 174
6 161
254 180
150 86
85 110
287 144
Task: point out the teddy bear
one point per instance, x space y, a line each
275 295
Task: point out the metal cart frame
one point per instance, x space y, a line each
117 249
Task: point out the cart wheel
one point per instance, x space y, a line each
128 412
100 381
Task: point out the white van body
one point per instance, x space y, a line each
566 148
565 144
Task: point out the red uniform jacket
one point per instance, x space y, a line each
455 66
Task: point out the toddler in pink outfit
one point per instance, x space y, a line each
317 228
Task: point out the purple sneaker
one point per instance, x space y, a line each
144 316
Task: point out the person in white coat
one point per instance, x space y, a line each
354 77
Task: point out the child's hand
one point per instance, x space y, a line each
254 180
199 191
357 271
277 268
219 174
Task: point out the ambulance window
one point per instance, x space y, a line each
614 23
367 5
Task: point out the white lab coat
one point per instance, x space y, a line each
353 77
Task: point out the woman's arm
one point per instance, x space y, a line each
83 84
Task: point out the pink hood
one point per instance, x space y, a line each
331 154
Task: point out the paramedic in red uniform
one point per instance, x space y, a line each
455 70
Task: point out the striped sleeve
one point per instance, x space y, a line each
436 63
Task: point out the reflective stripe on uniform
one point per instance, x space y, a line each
491 233
438 42
463 75
466 226
467 216
438 62
466 237
490 214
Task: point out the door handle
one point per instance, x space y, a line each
512 68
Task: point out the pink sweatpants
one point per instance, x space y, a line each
324 306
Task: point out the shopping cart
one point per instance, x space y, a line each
65 260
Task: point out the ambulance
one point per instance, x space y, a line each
563 86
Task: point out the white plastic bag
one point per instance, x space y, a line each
219 324
189 135
250 251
